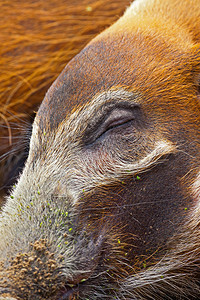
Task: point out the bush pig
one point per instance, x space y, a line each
107 205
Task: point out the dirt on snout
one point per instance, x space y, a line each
32 275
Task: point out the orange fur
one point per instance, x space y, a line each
111 184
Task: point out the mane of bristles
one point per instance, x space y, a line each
38 38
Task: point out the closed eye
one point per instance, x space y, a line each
116 118
120 115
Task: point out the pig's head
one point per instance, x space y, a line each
107 206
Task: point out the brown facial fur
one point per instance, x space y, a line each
110 189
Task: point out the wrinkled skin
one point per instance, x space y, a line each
108 203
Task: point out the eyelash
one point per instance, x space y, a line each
113 127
